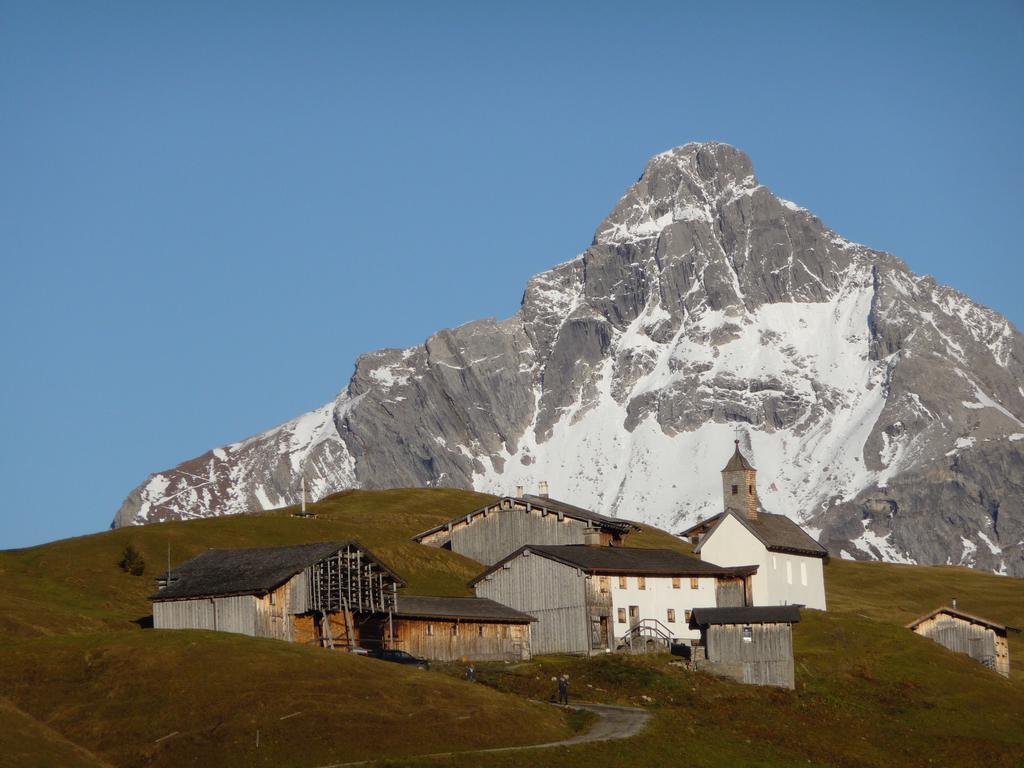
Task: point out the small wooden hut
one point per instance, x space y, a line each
317 593
751 645
454 628
981 639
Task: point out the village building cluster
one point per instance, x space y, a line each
557 579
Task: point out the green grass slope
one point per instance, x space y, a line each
869 692
84 683
74 586
75 659
28 743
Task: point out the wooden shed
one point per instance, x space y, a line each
454 628
751 645
492 532
317 593
981 639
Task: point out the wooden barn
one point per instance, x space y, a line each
454 628
981 639
750 645
492 532
594 599
314 593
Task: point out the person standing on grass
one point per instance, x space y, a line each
563 690
471 673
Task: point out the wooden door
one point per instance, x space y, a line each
634 615
729 593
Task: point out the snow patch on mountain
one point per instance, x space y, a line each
667 478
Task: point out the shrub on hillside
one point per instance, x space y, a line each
132 562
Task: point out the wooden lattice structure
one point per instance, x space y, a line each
350 581
309 593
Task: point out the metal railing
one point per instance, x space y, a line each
644 632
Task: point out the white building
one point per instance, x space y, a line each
592 598
789 561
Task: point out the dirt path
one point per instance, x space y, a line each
613 723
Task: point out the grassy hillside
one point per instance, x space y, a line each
869 692
27 743
76 666
86 686
74 585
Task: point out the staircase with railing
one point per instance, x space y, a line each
646 636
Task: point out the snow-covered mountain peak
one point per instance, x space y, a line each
883 409
688 183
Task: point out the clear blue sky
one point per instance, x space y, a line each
208 210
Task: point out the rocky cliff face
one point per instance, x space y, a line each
880 408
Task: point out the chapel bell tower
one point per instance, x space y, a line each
739 486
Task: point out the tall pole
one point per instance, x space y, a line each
303 495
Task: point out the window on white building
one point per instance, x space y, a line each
775 563
789 571
671 616
622 615
694 582
623 582
641 582
803 574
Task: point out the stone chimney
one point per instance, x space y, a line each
592 537
954 604
543 492
739 485
519 491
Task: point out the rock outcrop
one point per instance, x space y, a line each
882 410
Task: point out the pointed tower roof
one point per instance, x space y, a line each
738 461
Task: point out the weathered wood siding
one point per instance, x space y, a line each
552 592
599 611
273 619
260 616
298 592
766 659
439 640
730 593
184 614
221 614
979 642
490 536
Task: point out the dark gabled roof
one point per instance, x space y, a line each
738 461
540 502
707 522
465 608
224 572
766 614
777 532
999 628
623 560
579 513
